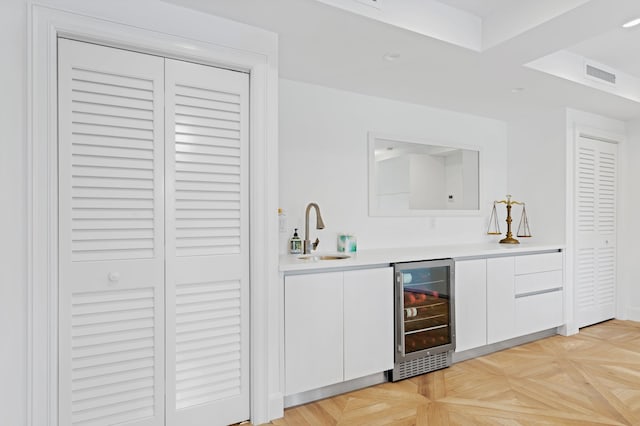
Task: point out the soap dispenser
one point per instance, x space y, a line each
295 243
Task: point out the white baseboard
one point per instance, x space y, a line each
568 329
633 313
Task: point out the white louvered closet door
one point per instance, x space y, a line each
207 282
111 247
595 231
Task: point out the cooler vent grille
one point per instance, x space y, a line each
421 365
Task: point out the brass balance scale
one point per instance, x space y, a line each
523 227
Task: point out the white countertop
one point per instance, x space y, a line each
291 263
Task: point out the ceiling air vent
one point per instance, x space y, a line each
597 73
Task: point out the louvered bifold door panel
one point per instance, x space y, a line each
207 245
111 245
595 231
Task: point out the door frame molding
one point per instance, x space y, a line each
177 33
575 129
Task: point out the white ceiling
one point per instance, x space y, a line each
481 8
329 46
618 48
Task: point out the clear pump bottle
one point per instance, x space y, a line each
295 243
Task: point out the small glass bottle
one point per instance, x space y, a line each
295 243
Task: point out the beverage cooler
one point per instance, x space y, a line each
424 317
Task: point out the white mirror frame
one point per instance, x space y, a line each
374 210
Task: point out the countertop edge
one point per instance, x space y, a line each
375 257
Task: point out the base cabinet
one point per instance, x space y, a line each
501 303
538 290
313 331
502 298
338 326
471 304
539 312
368 322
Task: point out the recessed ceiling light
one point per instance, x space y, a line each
391 56
517 90
632 23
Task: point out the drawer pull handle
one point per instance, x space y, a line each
535 293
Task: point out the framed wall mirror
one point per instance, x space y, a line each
412 177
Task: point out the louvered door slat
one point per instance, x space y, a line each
211 150
95 76
88 149
606 192
207 160
197 141
99 385
585 278
90 352
128 88
217 120
112 141
206 172
111 236
208 104
113 101
224 111
132 177
198 91
115 372
120 121
595 226
113 327
124 132
92 161
230 158
124 112
207 244
585 205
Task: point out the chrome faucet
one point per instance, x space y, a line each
319 225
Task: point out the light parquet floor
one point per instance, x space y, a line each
592 378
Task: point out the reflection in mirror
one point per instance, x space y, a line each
413 178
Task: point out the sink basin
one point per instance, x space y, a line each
324 257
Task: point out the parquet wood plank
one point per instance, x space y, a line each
507 411
333 406
592 378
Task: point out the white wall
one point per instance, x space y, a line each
629 224
13 285
536 172
323 158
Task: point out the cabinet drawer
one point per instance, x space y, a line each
538 263
541 281
538 312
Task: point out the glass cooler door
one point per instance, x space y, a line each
426 308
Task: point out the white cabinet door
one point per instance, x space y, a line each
595 231
471 304
501 307
368 322
539 312
207 244
313 331
111 228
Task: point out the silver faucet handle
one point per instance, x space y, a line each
315 243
